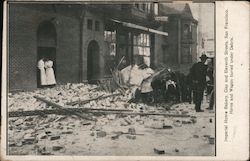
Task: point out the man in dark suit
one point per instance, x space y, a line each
198 76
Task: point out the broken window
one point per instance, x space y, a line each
110 58
110 38
141 48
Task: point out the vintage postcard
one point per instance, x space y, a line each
124 80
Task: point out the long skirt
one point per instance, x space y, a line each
43 80
51 80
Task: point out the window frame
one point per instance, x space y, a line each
143 44
97 25
89 24
111 40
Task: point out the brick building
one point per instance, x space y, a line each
86 40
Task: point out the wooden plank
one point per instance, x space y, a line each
61 107
70 111
64 111
139 113
92 99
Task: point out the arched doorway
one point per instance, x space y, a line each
93 61
46 44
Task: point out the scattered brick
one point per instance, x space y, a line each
101 134
159 151
55 137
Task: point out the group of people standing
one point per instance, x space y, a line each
46 73
202 77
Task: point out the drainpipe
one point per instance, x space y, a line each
81 45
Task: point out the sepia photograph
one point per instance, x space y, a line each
110 79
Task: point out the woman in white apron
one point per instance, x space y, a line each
50 75
42 75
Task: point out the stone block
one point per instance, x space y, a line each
101 134
55 137
57 148
115 137
159 151
132 137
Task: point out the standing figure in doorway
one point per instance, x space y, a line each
41 75
50 75
198 74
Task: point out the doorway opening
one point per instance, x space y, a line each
93 62
46 45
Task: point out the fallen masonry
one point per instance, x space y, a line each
79 119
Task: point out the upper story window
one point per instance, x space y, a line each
144 7
187 31
137 5
89 24
97 26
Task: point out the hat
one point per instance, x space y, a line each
203 56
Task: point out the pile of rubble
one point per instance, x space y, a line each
48 133
61 95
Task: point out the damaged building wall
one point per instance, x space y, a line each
23 48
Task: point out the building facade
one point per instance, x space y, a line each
179 49
86 41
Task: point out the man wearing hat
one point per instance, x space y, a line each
198 76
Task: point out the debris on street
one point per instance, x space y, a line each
77 118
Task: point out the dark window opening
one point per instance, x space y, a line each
89 24
187 31
137 5
97 26
143 7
